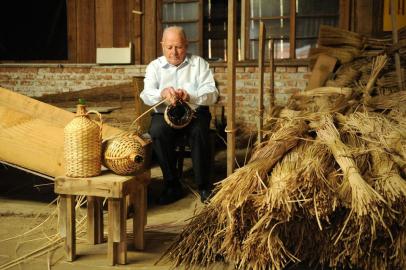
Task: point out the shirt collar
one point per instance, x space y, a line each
164 63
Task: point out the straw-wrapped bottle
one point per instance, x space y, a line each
82 144
126 153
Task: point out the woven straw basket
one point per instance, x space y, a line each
126 153
179 115
82 145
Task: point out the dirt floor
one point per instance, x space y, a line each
26 203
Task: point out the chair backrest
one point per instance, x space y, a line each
140 107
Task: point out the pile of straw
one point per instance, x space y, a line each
326 188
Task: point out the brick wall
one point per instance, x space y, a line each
38 79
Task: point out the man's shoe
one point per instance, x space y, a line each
170 195
205 195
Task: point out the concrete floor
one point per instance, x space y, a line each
25 198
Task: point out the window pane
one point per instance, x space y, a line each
311 14
193 48
191 29
274 28
281 49
317 7
180 11
269 8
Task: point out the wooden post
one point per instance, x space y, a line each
272 74
395 40
261 56
231 59
292 34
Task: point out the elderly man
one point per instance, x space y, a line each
180 76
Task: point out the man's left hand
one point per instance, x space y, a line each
183 94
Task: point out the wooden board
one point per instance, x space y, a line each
322 70
31 133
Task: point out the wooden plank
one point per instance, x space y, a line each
121 23
86 38
322 70
244 50
72 30
110 92
149 31
98 109
231 61
261 56
139 200
31 133
345 16
117 239
112 246
137 32
104 23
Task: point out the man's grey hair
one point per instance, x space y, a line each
175 28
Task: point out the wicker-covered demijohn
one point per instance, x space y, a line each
126 153
82 145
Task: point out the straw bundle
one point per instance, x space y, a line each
344 77
333 36
364 199
344 55
324 194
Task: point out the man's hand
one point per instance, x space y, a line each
183 95
172 95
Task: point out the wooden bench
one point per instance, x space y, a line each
115 188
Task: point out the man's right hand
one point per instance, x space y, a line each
170 94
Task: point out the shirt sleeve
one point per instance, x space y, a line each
151 93
207 93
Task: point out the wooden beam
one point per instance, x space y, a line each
231 60
261 56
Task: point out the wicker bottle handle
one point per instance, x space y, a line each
100 122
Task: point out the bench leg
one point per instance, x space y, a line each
140 215
117 235
94 220
68 225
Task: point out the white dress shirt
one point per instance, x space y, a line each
193 75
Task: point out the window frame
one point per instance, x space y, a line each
343 22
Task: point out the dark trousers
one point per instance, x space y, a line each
164 140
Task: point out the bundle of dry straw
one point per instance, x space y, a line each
325 188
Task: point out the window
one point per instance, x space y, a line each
186 14
33 30
293 24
